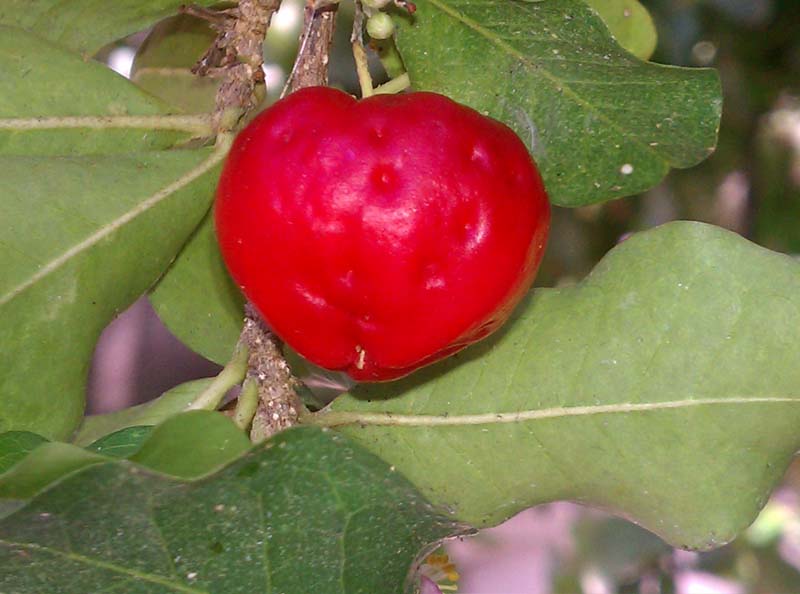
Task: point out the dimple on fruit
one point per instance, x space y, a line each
380 235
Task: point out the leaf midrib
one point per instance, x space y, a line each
116 224
333 418
195 123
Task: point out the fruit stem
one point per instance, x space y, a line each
231 375
359 53
364 77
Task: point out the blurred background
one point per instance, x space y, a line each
751 185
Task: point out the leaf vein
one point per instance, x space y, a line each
113 567
339 418
113 226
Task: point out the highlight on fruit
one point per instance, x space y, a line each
381 235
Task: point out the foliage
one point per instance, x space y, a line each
683 449
663 386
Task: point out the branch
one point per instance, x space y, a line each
236 56
311 66
278 404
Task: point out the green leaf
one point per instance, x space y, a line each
15 445
164 61
84 108
43 466
150 413
306 512
73 258
192 444
600 123
189 445
85 26
197 300
122 443
630 23
664 387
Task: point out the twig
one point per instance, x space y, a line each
278 404
236 56
311 66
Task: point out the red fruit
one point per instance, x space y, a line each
380 235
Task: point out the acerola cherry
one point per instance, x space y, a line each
378 236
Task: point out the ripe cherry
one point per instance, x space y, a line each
378 236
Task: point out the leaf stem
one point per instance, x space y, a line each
246 404
364 77
231 375
359 52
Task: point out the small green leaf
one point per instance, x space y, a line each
150 413
197 300
163 64
85 26
630 23
306 498
122 443
192 444
86 109
43 466
73 258
665 387
15 445
188 445
600 123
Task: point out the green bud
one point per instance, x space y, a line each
380 26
